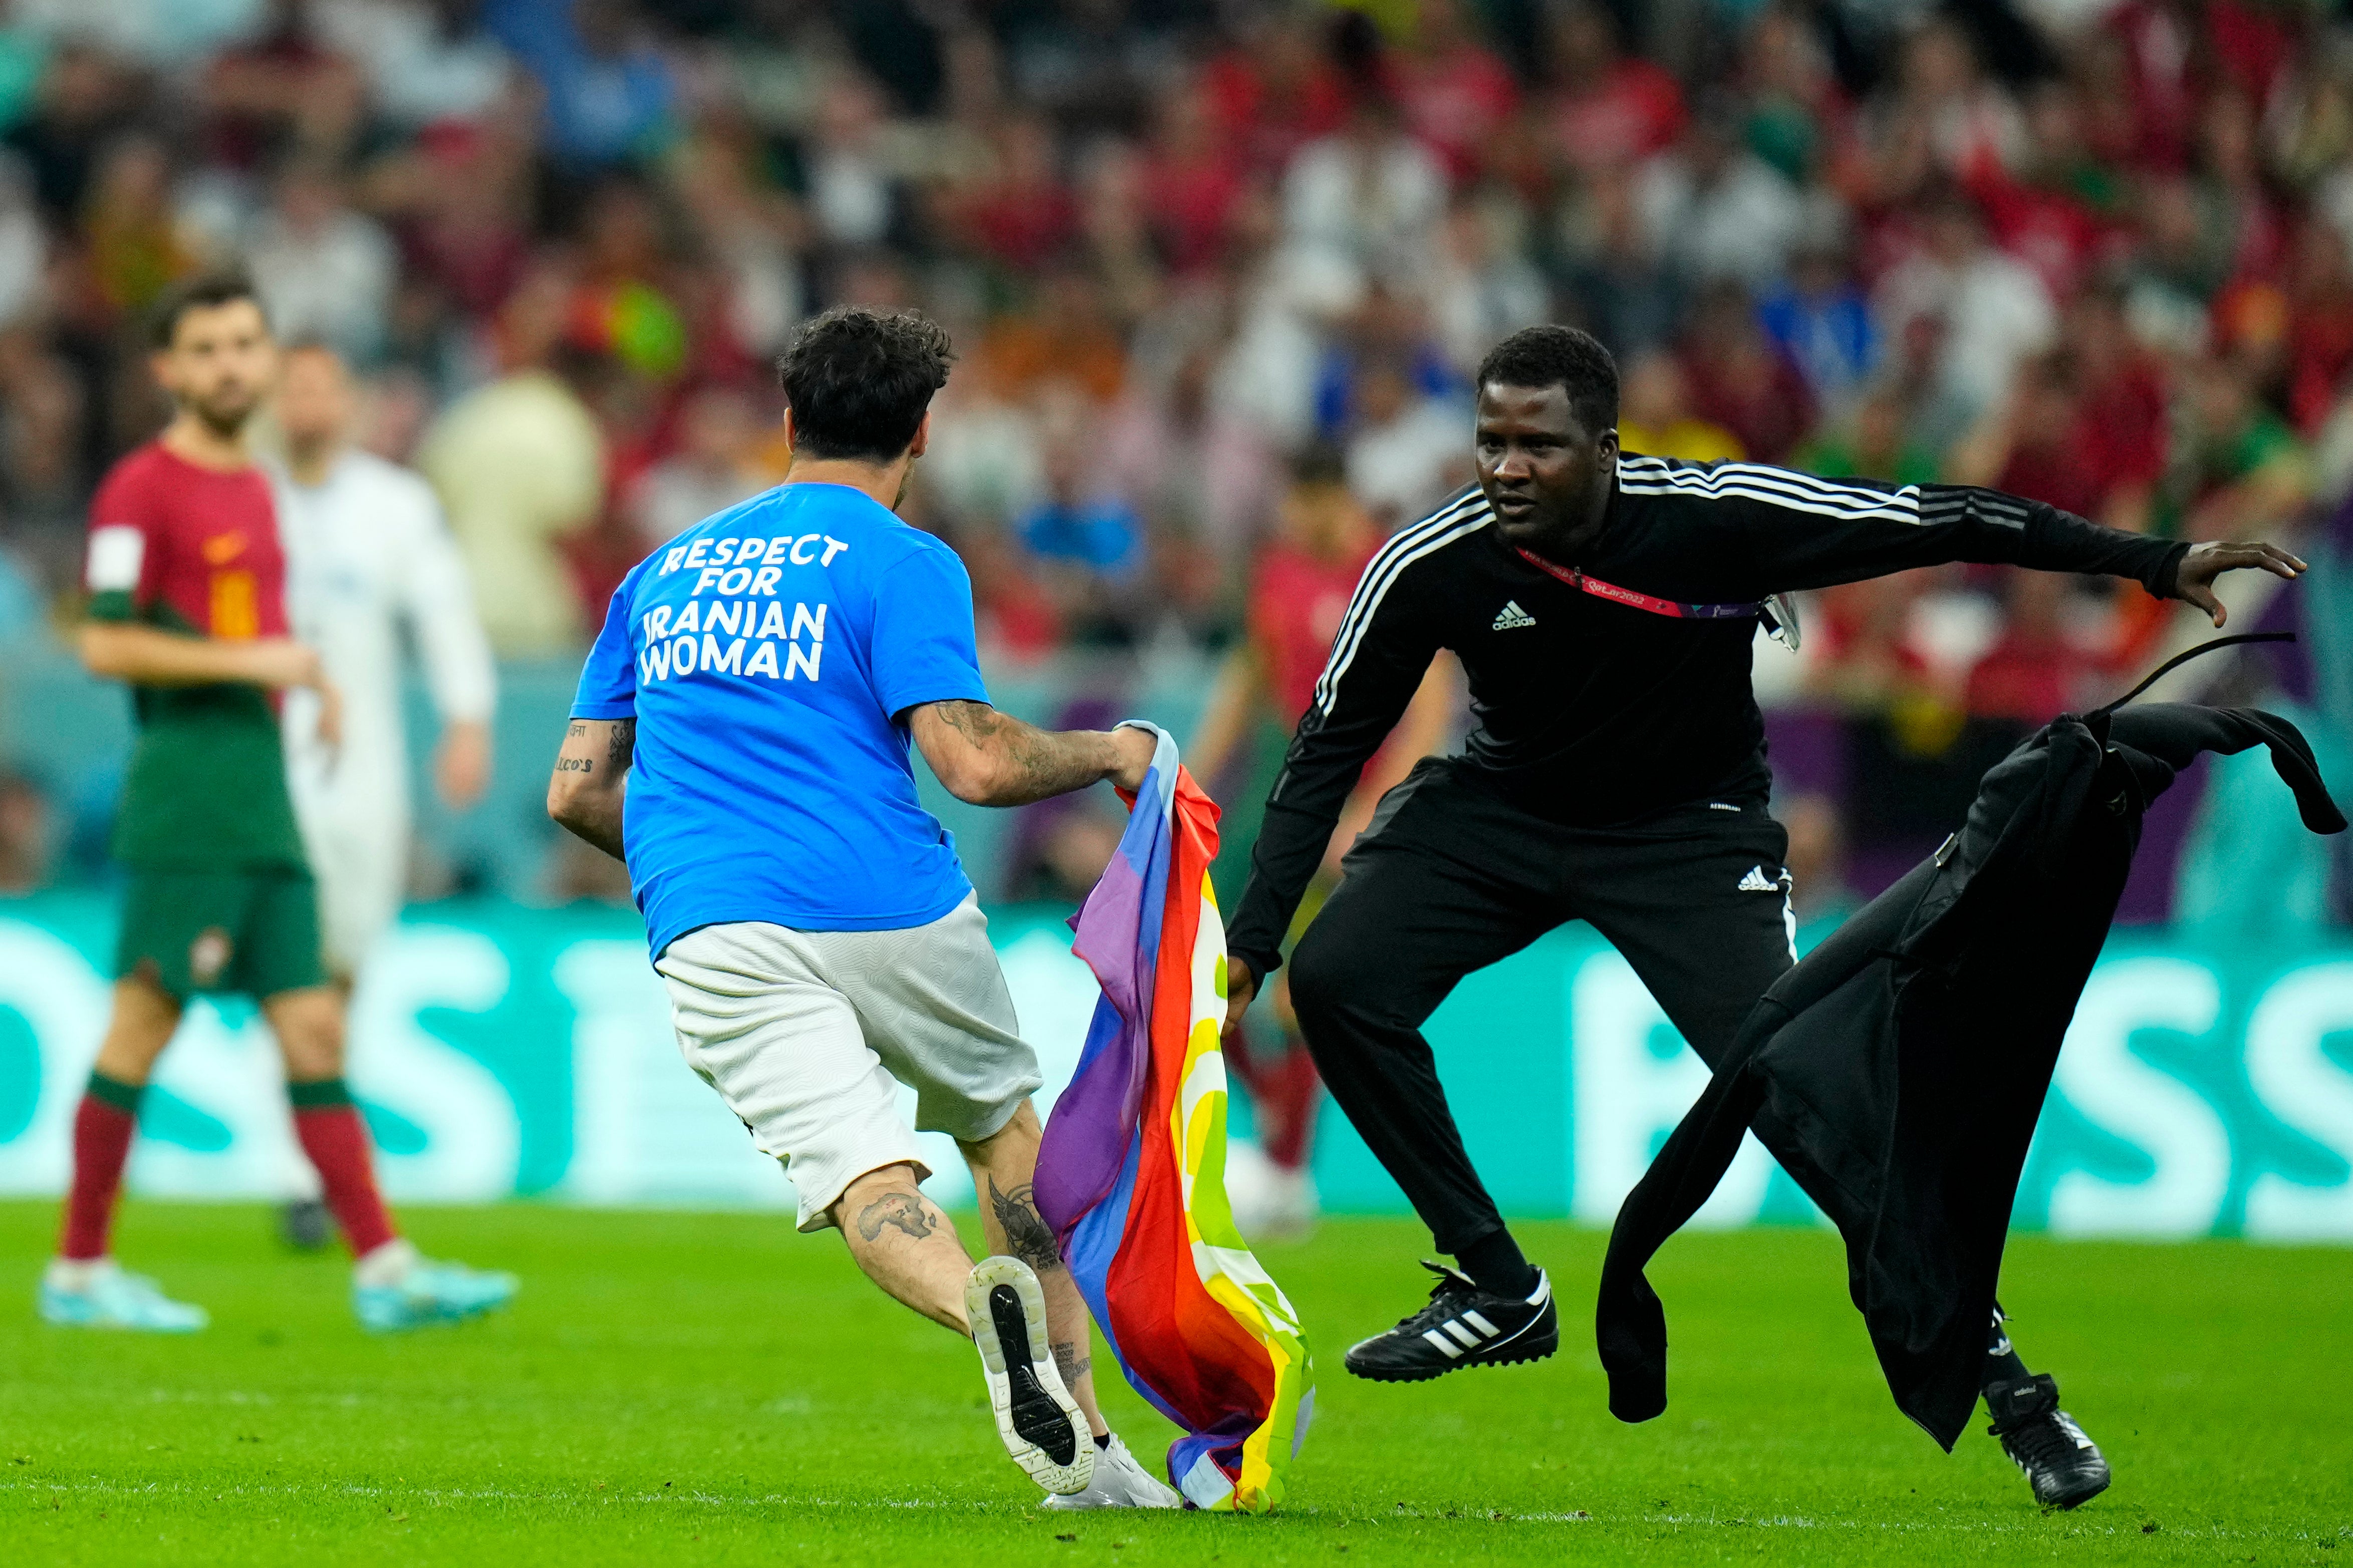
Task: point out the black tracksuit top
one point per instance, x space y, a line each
1591 713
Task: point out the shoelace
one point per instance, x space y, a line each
1446 1289
2042 1439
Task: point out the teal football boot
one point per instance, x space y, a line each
430 1293
106 1296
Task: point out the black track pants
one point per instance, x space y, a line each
1450 879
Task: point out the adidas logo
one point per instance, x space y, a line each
1511 617
1479 1331
1758 882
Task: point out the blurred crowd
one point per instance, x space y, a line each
2089 251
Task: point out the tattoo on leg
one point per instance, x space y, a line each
904 1210
1070 1363
1026 1232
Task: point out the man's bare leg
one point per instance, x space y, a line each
1003 1170
905 1244
308 1025
142 1023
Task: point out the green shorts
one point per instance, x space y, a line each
1240 819
252 931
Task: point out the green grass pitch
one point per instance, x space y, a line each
701 1388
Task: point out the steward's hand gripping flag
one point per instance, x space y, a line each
1132 1174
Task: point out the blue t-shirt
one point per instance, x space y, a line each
766 654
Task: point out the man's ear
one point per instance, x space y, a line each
1608 446
789 442
922 436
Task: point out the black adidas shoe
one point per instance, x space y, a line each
1462 1326
2042 1440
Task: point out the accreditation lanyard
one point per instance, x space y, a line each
1673 609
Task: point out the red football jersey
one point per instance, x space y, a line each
1296 607
185 547
192 550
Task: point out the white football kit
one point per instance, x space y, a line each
366 552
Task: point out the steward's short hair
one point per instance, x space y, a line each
204 291
1559 356
857 381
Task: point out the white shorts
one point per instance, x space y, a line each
807 1034
363 876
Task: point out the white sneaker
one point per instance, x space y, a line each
1040 1423
100 1294
1120 1482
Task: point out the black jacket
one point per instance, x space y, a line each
1897 1072
1592 712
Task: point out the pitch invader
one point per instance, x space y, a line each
1604 606
186 582
820 942
369 557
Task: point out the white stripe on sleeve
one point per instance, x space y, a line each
1467 515
116 553
1776 486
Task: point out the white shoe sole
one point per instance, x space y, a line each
1073 1505
1042 1424
1094 1500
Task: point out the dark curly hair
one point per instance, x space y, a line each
1559 356
204 291
859 381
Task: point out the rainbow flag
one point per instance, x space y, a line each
1132 1174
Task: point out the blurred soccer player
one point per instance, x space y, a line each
1299 588
186 582
367 556
740 739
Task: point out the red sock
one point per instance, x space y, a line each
332 1135
1284 1090
101 1142
1293 1091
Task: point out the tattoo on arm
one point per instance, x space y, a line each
1037 763
1070 1363
904 1210
587 801
1027 1235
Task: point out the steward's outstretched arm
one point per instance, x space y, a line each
1805 533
